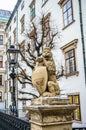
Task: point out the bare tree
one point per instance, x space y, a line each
41 35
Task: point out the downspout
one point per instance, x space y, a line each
82 38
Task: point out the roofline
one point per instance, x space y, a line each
5 10
4 18
14 10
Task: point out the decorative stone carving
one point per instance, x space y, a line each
44 75
39 79
54 115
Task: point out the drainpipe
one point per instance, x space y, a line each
82 37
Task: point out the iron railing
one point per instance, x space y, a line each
83 128
10 122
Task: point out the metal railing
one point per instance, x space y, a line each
10 122
84 128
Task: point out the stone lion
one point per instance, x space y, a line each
46 60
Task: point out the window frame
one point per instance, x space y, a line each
22 20
33 10
14 19
22 48
1 39
72 100
1 96
1 26
10 28
1 80
46 27
31 35
22 5
63 3
68 47
23 85
9 40
72 68
44 2
1 61
24 104
14 33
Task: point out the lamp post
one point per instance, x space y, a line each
12 56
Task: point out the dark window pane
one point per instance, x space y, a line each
68 4
0 96
32 10
1 39
0 79
65 8
67 66
70 19
70 61
1 61
67 13
71 53
67 55
74 99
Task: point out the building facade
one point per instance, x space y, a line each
4 17
69 17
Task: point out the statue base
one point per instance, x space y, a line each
51 113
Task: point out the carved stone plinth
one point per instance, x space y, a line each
51 113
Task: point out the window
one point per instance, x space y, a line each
69 51
14 33
10 28
23 85
1 26
75 99
1 39
24 104
22 5
67 11
46 29
9 40
32 45
22 49
44 2
32 9
70 61
14 19
1 61
22 23
0 79
0 96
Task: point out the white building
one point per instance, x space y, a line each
4 16
69 16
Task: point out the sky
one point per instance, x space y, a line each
7 4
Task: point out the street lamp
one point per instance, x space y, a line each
12 56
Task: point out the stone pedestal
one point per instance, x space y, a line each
51 113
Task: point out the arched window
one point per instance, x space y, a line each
0 96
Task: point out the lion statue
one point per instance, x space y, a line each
44 75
